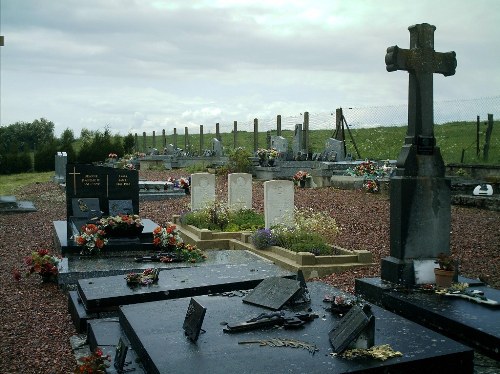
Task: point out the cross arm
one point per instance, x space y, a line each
396 58
445 63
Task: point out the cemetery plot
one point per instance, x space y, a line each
155 332
107 293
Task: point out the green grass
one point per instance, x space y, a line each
10 183
376 143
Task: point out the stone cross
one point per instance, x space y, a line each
420 209
421 62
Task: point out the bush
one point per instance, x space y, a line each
239 161
45 157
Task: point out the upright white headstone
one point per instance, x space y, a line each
202 190
278 202
239 194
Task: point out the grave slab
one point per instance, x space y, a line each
476 325
107 293
155 333
9 204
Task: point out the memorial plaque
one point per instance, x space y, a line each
193 320
86 207
273 293
358 322
120 355
120 207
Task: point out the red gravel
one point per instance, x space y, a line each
34 323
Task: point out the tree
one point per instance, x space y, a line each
128 143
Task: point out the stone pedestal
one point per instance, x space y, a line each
420 224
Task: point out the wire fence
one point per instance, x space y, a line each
465 110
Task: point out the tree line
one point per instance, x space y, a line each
32 146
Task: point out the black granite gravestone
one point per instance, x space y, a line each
194 320
93 189
420 195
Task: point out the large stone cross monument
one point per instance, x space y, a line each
420 194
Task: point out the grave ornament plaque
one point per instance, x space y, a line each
273 293
356 330
120 355
194 320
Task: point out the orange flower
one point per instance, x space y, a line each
157 230
156 241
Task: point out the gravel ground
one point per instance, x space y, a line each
35 327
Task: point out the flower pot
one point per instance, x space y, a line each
444 278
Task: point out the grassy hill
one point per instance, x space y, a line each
375 143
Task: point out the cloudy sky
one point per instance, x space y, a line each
144 65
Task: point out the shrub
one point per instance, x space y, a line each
239 161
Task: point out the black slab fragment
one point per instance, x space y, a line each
476 325
194 320
350 327
107 293
9 204
155 332
273 293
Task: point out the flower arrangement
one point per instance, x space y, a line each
92 238
129 166
263 238
112 155
122 225
95 363
300 176
166 237
191 253
445 262
273 153
371 186
367 169
184 182
262 153
147 277
43 263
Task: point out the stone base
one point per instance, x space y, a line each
471 323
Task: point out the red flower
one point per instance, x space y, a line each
43 252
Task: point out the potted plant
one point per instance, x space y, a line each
444 273
272 155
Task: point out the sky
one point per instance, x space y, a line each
144 65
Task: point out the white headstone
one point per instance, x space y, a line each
239 194
202 190
278 202
334 150
217 147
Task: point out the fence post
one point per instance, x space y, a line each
186 140
154 139
278 125
217 131
255 134
477 137
144 141
488 137
235 132
164 139
175 138
201 140
306 133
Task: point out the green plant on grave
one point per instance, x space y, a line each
318 222
218 217
239 161
197 168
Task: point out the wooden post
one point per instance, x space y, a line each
175 138
486 149
164 139
278 125
306 133
255 134
154 139
235 132
217 131
477 137
144 141
186 140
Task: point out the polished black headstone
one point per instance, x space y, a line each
107 293
476 325
358 321
273 293
194 320
102 183
154 331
